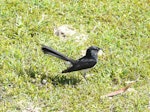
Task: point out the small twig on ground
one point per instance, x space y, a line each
120 91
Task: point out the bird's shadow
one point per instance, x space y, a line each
57 79
64 80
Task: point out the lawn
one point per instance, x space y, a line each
32 82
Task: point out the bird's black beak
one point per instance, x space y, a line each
100 49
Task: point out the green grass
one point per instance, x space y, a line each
122 29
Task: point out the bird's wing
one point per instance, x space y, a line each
84 63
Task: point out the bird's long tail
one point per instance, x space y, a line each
48 50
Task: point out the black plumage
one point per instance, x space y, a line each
86 62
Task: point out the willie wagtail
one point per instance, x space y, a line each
86 62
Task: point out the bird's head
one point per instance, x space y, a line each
94 51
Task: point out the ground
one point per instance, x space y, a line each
32 81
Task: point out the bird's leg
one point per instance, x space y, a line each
84 76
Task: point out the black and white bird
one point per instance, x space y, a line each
86 62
